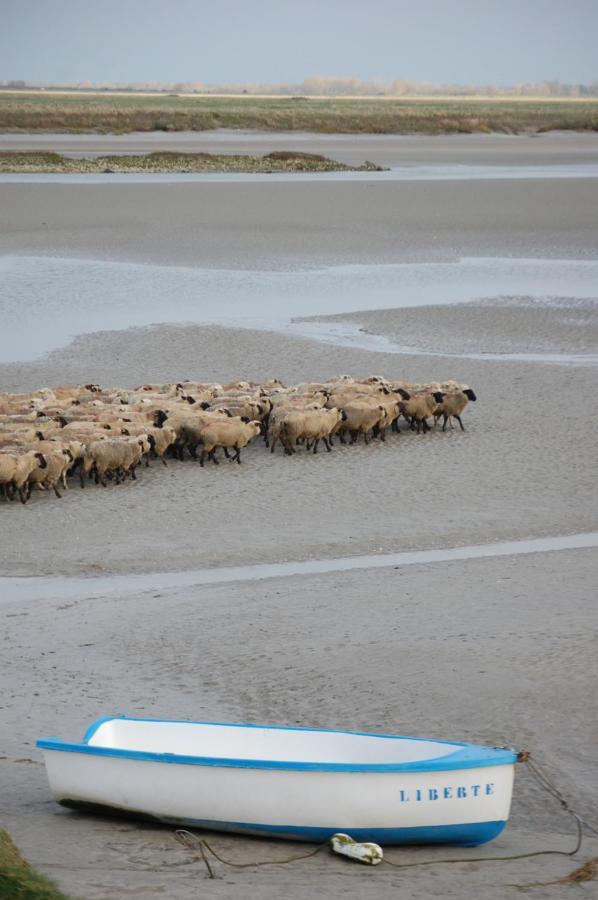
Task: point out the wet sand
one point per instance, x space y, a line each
302 223
487 650
516 472
505 327
492 650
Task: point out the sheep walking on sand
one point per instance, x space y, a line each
53 434
15 469
452 405
47 477
311 427
228 435
418 409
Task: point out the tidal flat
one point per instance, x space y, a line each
494 650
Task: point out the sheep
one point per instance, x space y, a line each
278 417
22 435
251 409
376 379
55 445
452 406
159 439
393 411
8 465
141 447
15 469
273 384
347 394
229 435
120 457
58 462
313 426
419 407
362 416
298 398
108 432
188 429
163 438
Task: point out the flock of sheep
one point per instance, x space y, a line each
85 431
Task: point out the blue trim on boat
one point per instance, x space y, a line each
467 834
99 722
468 757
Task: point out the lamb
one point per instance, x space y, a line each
229 435
452 406
15 469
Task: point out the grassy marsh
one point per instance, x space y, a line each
123 113
18 881
164 161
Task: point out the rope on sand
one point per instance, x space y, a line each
584 873
193 841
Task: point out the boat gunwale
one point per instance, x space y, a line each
469 756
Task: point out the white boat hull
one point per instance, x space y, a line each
295 800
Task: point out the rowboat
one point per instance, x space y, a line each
296 783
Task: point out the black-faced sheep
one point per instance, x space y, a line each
452 406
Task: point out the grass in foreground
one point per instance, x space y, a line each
278 161
119 114
18 881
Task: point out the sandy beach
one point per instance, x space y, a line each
498 651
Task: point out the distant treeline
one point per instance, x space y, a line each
322 86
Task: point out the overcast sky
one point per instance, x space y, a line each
452 41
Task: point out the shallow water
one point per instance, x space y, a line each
67 588
46 301
396 173
352 334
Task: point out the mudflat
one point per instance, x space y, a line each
550 148
293 223
498 651
490 650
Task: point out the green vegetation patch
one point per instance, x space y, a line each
120 114
160 162
18 881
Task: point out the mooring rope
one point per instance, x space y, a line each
194 842
544 781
